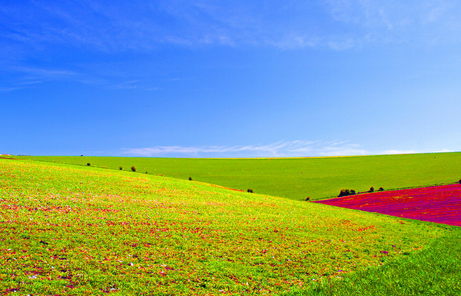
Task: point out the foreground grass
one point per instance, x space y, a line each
294 178
71 230
434 271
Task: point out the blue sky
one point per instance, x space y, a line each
206 78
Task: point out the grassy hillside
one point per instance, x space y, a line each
83 230
294 178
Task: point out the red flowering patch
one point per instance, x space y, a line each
439 204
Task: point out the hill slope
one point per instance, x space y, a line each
79 230
294 178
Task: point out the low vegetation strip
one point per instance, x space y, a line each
440 204
83 230
294 178
434 271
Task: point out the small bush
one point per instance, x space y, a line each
121 168
250 190
88 164
381 189
133 169
190 178
346 192
371 189
308 198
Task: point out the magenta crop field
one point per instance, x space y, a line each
440 204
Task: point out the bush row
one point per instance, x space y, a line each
346 192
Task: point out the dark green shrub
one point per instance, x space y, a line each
381 189
121 168
88 164
133 169
344 192
250 190
308 198
371 189
190 178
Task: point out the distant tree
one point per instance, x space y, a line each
190 178
371 189
133 169
250 190
88 164
344 192
121 168
308 198
381 189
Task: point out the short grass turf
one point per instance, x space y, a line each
434 271
294 178
83 230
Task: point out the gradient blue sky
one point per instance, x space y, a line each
206 78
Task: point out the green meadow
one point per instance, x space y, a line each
294 178
80 230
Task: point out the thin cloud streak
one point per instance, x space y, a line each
2 89
25 77
415 151
400 152
22 77
278 149
46 73
431 22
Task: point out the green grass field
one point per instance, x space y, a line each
86 231
294 178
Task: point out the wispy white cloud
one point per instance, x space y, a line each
126 85
25 77
423 22
278 149
46 73
394 151
21 77
2 89
342 150
143 26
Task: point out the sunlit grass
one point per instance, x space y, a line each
434 271
294 178
83 230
